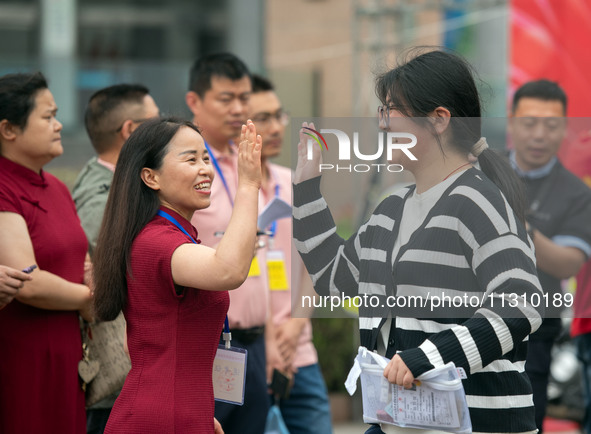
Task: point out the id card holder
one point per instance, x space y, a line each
254 270
229 375
276 273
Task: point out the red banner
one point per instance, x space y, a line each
550 39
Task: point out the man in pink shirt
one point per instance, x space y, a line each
307 409
218 96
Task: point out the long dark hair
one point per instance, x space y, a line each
443 79
130 206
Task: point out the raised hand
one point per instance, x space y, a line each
249 155
307 169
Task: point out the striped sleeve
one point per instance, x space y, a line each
496 249
333 263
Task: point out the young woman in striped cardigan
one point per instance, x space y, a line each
458 232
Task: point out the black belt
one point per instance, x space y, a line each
247 336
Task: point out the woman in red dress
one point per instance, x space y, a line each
40 343
11 281
173 291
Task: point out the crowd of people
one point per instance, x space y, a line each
159 240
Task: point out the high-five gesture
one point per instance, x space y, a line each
249 155
307 168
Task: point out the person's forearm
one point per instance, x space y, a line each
320 247
269 331
272 353
237 245
298 324
558 261
48 291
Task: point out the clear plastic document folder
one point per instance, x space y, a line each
436 401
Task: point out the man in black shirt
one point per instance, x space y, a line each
558 218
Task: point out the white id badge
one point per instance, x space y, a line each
229 375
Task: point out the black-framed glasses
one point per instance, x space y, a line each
384 113
280 116
135 121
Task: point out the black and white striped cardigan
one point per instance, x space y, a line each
470 243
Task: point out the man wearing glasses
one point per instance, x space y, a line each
112 114
558 216
307 409
219 92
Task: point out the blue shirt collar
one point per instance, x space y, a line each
540 172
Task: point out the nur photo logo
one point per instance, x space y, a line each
387 142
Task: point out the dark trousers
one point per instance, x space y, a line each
374 429
249 418
584 353
537 364
96 420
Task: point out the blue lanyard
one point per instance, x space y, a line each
174 222
218 169
178 225
274 224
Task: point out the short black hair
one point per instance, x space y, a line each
225 65
543 89
102 116
17 96
261 84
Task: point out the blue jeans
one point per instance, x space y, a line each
583 343
307 410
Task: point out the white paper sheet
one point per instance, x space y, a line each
275 210
422 405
